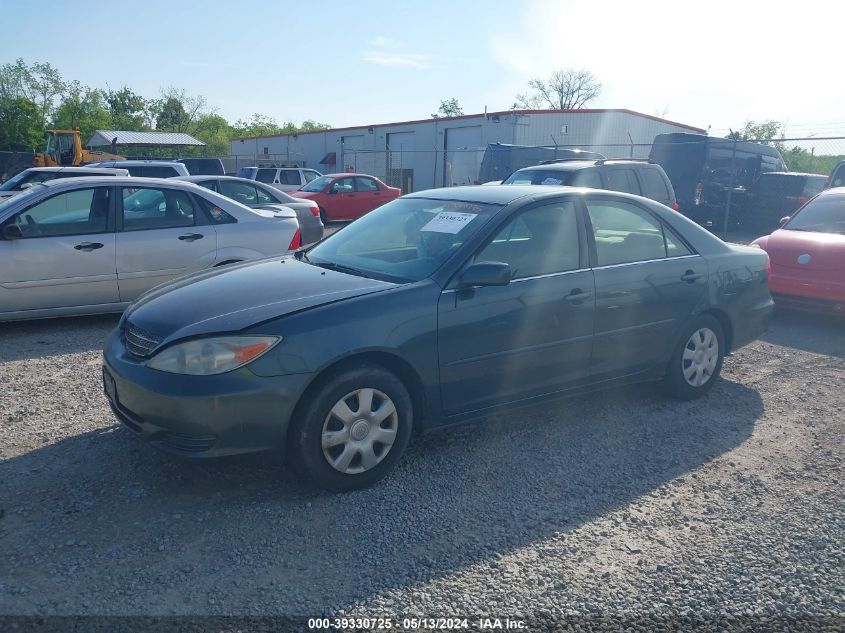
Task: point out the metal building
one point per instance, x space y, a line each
428 153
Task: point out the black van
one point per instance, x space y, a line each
203 166
702 169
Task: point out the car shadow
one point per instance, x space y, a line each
101 514
20 340
808 331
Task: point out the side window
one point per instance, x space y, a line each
624 233
365 184
208 184
289 177
148 208
344 185
215 214
310 175
263 197
620 179
265 175
654 186
838 179
540 241
239 191
674 246
79 212
588 178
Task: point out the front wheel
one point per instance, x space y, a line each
323 217
352 430
697 360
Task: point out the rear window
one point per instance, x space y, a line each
265 175
539 177
246 172
654 186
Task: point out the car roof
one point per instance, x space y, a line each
499 194
72 170
169 163
111 180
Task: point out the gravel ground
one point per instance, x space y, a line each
624 505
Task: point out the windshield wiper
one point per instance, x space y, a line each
301 256
341 268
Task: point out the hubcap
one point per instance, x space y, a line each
701 355
359 431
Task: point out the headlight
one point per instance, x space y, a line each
208 356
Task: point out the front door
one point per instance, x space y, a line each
369 195
161 234
66 255
648 285
345 204
506 343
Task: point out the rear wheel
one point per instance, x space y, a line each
697 361
323 217
352 430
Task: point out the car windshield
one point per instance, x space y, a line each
318 184
825 214
539 177
405 240
21 196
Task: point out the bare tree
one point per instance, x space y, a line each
565 89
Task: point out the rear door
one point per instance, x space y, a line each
162 233
531 337
369 195
66 256
648 284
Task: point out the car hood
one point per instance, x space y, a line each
236 297
817 251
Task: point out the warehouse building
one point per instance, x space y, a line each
416 155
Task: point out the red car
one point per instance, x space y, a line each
347 196
807 255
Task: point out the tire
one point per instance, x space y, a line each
352 435
697 360
323 217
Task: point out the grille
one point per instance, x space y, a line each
139 342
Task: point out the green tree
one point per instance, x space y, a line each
256 125
84 107
766 132
127 110
21 127
448 107
40 83
213 130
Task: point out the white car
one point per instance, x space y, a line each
90 245
34 175
282 178
146 168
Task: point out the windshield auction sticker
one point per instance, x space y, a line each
448 222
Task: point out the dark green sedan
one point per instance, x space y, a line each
438 307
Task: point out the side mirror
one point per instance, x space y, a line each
783 220
25 186
12 232
485 274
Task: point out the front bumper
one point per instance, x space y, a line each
817 291
199 416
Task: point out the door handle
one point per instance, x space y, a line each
691 276
88 246
578 295
191 237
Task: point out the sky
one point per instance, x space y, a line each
715 64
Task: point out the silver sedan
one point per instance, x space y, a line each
260 196
91 245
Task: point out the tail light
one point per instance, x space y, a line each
296 242
699 189
315 211
676 207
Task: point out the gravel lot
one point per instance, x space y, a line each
626 505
